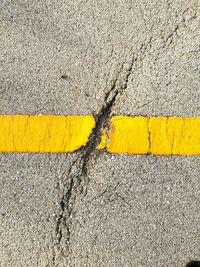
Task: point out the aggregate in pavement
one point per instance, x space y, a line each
61 57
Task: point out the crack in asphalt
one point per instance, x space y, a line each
78 171
74 184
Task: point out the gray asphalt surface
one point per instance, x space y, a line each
60 57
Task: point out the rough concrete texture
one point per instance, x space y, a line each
102 57
29 196
143 212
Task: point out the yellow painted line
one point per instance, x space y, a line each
133 135
155 135
44 133
177 136
128 135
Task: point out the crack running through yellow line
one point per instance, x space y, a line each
132 135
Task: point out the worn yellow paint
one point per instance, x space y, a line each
174 135
44 133
128 135
133 135
103 140
161 135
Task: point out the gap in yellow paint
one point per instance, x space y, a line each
103 140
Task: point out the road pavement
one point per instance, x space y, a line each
92 208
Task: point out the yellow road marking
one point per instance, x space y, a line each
128 135
44 133
133 135
174 135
